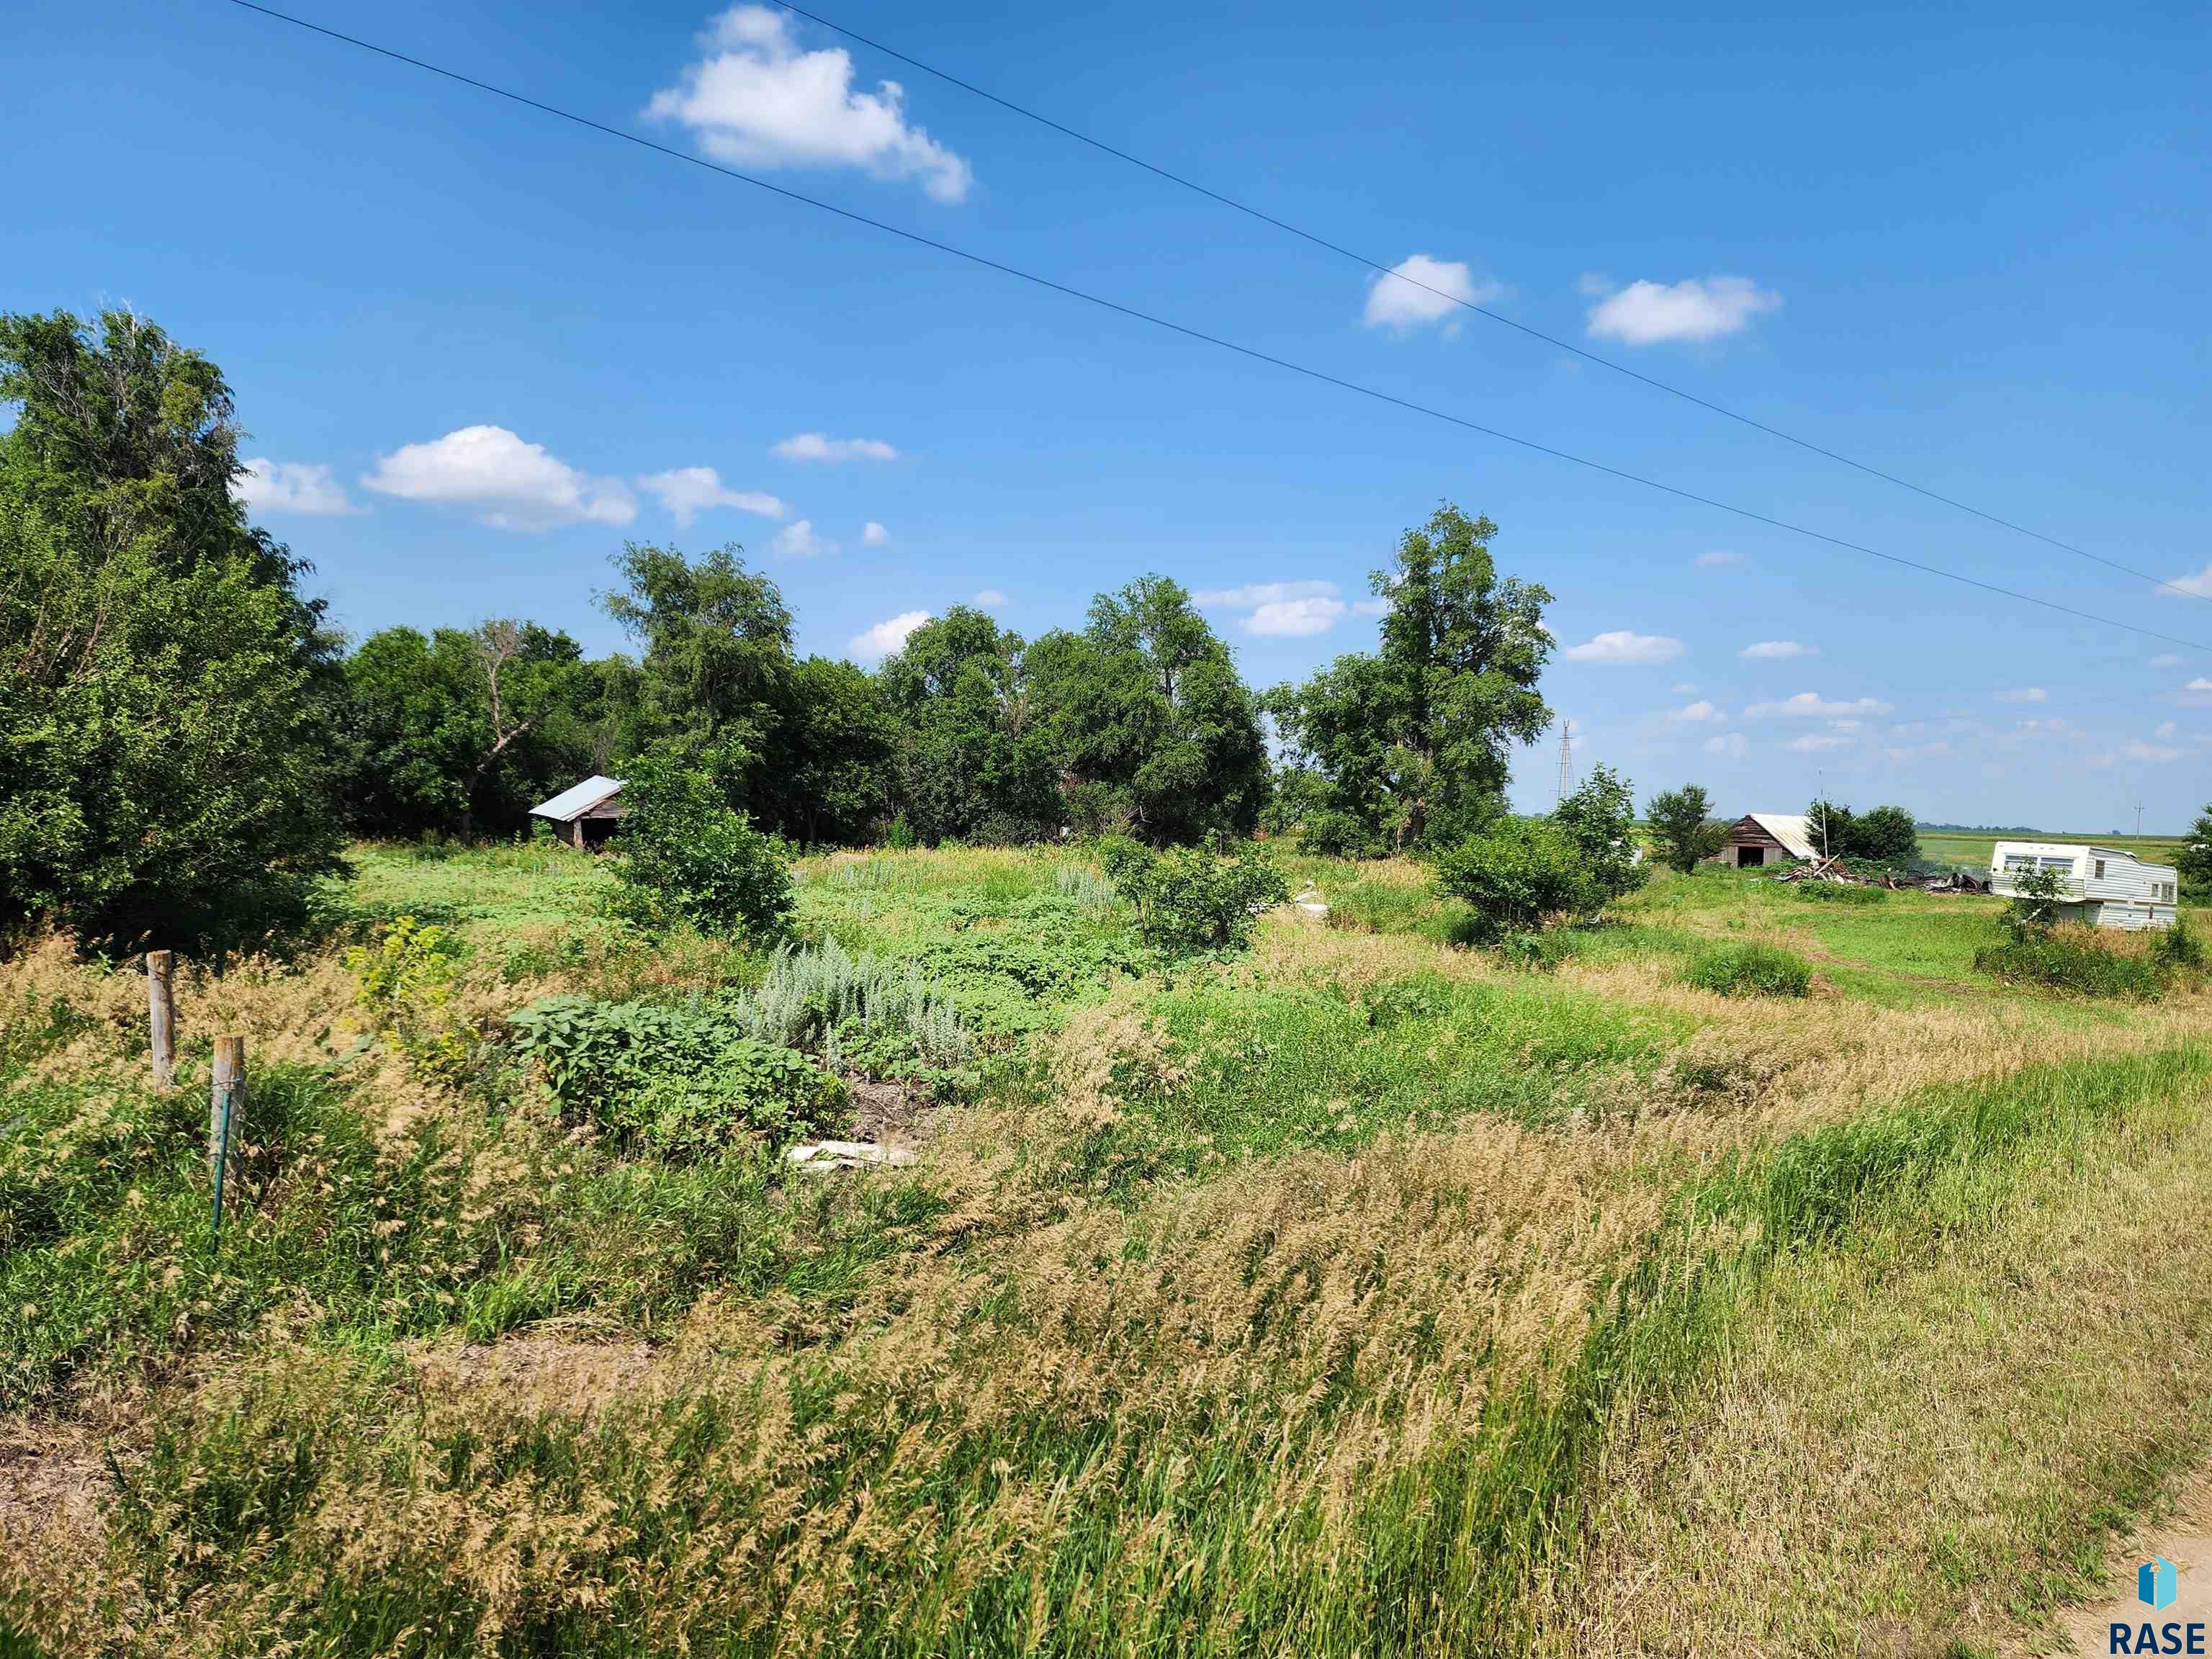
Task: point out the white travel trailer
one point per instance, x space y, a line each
2099 886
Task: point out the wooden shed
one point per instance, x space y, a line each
586 814
1761 838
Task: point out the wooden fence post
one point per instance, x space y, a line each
226 1115
162 1018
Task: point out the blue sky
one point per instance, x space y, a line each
480 348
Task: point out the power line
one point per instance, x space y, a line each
1392 274
1215 340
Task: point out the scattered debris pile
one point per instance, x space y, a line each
1838 870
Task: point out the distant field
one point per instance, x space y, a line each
1958 846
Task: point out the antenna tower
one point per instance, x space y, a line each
1566 761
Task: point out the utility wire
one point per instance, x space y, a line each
1200 335
1391 274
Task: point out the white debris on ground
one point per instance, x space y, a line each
826 1155
1310 902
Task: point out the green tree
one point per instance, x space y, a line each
168 697
1417 740
684 855
464 730
1682 821
1887 835
973 760
838 756
1828 827
1147 702
1518 874
716 665
1601 817
2194 861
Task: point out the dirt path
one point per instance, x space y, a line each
2184 1539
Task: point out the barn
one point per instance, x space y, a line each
1761 838
586 814
2099 886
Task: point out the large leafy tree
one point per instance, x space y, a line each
1682 823
167 696
973 758
837 760
716 660
1146 704
462 730
1416 740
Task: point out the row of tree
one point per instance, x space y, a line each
185 741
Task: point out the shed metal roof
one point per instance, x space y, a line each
574 802
1793 829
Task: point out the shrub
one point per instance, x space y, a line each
1188 900
1539 952
1600 818
682 1083
2178 947
899 837
406 982
1337 834
1522 872
826 1000
686 856
1682 825
1085 887
1751 971
2033 911
2074 959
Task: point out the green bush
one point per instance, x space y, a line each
682 1083
1188 900
1751 971
686 856
2178 947
1337 834
1837 892
1515 878
1541 951
2073 959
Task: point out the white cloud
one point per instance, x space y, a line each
1778 651
1624 648
1814 743
2139 751
990 598
1811 705
510 484
1421 290
688 491
1684 689
1696 308
1284 611
2166 729
2167 660
872 534
755 100
1718 556
2200 584
1731 744
2025 694
2200 683
1699 710
815 447
304 487
798 541
1374 607
1295 619
887 636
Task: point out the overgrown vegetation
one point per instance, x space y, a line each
1750 970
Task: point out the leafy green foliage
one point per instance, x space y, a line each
2193 863
1412 742
168 698
685 856
970 755
1682 822
1600 817
680 1082
2033 909
2076 960
1517 876
1888 837
1146 710
1750 970
407 982
1188 900
1838 893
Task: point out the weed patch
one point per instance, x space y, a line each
1750 970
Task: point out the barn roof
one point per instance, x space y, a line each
1793 829
576 800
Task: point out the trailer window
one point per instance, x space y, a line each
2100 869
